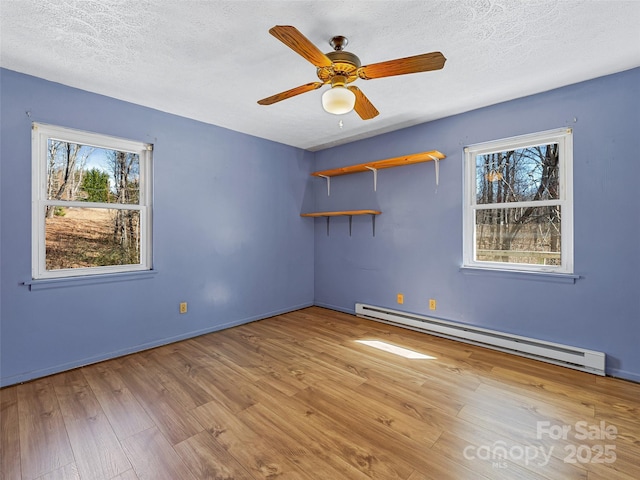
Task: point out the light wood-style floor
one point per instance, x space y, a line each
296 397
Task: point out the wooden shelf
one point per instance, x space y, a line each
341 213
380 164
345 213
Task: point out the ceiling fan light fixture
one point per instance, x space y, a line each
338 100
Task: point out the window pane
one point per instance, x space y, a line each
91 237
519 235
526 174
78 172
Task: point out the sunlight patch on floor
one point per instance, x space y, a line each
388 347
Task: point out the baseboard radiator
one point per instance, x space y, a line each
564 355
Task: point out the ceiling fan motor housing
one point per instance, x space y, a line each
345 64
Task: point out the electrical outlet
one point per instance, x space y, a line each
432 304
183 307
400 298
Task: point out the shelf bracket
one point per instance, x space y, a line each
375 177
436 162
350 222
328 179
373 224
328 220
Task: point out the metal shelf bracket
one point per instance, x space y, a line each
375 177
328 179
436 162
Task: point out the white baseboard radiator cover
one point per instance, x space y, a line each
555 353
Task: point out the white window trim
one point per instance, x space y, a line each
40 134
564 138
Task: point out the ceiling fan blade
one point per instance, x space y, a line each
363 106
402 66
290 93
300 44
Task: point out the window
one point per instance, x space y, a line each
91 203
518 212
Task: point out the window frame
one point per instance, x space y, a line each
564 138
40 135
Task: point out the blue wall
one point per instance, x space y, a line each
417 249
228 238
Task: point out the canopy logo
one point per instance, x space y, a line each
583 442
499 453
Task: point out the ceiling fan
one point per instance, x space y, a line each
340 68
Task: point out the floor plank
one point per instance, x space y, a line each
208 460
153 457
328 454
44 445
9 434
68 472
168 415
128 475
126 416
97 451
252 449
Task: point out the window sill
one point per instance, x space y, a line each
43 284
522 275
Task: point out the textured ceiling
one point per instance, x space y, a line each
212 60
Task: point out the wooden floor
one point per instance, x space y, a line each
296 397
